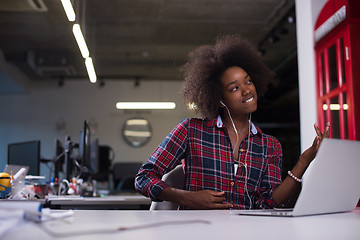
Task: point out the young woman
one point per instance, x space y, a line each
228 161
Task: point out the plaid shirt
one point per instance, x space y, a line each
206 149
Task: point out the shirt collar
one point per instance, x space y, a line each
254 130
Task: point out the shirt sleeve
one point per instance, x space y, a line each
272 176
165 157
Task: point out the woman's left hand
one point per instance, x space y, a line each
309 154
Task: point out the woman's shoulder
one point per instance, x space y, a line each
194 120
203 122
271 141
188 121
196 123
267 139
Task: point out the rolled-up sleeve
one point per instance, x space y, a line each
165 157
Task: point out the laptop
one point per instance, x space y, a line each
331 184
15 168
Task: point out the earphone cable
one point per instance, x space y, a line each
248 148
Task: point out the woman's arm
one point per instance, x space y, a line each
290 188
166 156
205 199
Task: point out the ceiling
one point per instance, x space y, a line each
145 39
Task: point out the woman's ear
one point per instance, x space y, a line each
222 104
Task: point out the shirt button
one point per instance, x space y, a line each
232 183
241 150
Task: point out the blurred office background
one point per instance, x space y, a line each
137 48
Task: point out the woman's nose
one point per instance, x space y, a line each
245 90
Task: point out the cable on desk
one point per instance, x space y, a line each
119 229
36 216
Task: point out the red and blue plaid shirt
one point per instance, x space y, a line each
206 149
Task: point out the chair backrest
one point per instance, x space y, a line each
176 179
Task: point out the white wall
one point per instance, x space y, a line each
307 12
34 115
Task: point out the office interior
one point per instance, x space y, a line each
47 108
51 110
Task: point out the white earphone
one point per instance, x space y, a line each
247 151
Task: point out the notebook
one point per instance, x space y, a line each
331 184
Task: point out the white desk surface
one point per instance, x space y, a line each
106 200
128 201
188 225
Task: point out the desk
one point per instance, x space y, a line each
188 225
117 202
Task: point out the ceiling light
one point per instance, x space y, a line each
145 105
291 19
90 69
69 10
80 41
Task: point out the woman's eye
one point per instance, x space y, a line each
234 89
249 82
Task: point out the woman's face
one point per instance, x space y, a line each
238 91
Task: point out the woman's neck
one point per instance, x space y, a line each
241 123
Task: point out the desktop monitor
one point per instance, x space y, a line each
91 160
25 154
94 156
59 159
81 163
84 145
105 155
88 152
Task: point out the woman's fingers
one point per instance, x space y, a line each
320 136
327 130
317 130
326 133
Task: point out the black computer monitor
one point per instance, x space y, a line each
94 156
100 161
84 146
91 155
25 154
59 159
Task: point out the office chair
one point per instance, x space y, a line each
174 178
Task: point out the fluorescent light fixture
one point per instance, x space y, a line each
80 41
69 10
90 69
137 122
130 133
145 105
335 107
